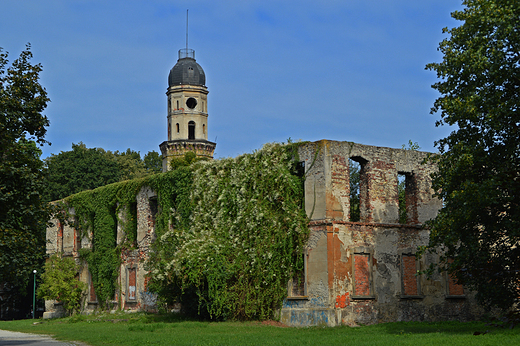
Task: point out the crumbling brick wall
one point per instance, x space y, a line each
366 271
131 293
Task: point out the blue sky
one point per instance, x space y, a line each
339 70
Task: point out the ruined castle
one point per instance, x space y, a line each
362 271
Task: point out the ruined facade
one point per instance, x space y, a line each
355 271
366 271
131 292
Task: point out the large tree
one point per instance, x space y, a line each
83 168
478 227
23 214
77 170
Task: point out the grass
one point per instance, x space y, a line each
145 329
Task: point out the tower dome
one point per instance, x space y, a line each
187 97
186 71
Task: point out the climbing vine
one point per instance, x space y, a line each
244 240
95 216
230 232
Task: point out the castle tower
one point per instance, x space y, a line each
187 111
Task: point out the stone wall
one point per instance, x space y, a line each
355 271
131 294
366 271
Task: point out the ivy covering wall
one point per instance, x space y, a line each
230 233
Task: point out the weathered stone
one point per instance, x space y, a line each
359 269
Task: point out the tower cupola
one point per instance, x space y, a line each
186 71
187 111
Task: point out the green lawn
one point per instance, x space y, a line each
141 329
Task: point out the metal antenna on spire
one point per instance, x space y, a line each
186 52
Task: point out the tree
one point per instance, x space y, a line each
83 168
80 169
60 283
153 162
186 160
23 214
478 227
130 164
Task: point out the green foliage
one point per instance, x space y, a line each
130 164
478 180
83 168
230 232
23 215
77 170
413 146
244 238
152 162
96 212
60 282
186 160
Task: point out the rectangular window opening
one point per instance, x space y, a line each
354 168
410 283
297 285
131 294
362 274
154 207
407 198
358 184
454 289
92 290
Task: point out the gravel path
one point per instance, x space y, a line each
8 338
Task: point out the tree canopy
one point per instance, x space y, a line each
478 227
23 214
83 168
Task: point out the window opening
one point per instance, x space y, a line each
410 285
191 103
92 291
154 207
177 104
177 127
354 169
358 181
131 283
133 220
297 285
401 183
362 273
191 130
454 289
407 194
204 128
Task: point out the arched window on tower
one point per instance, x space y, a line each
177 127
204 128
177 104
191 130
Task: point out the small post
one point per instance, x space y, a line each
34 294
